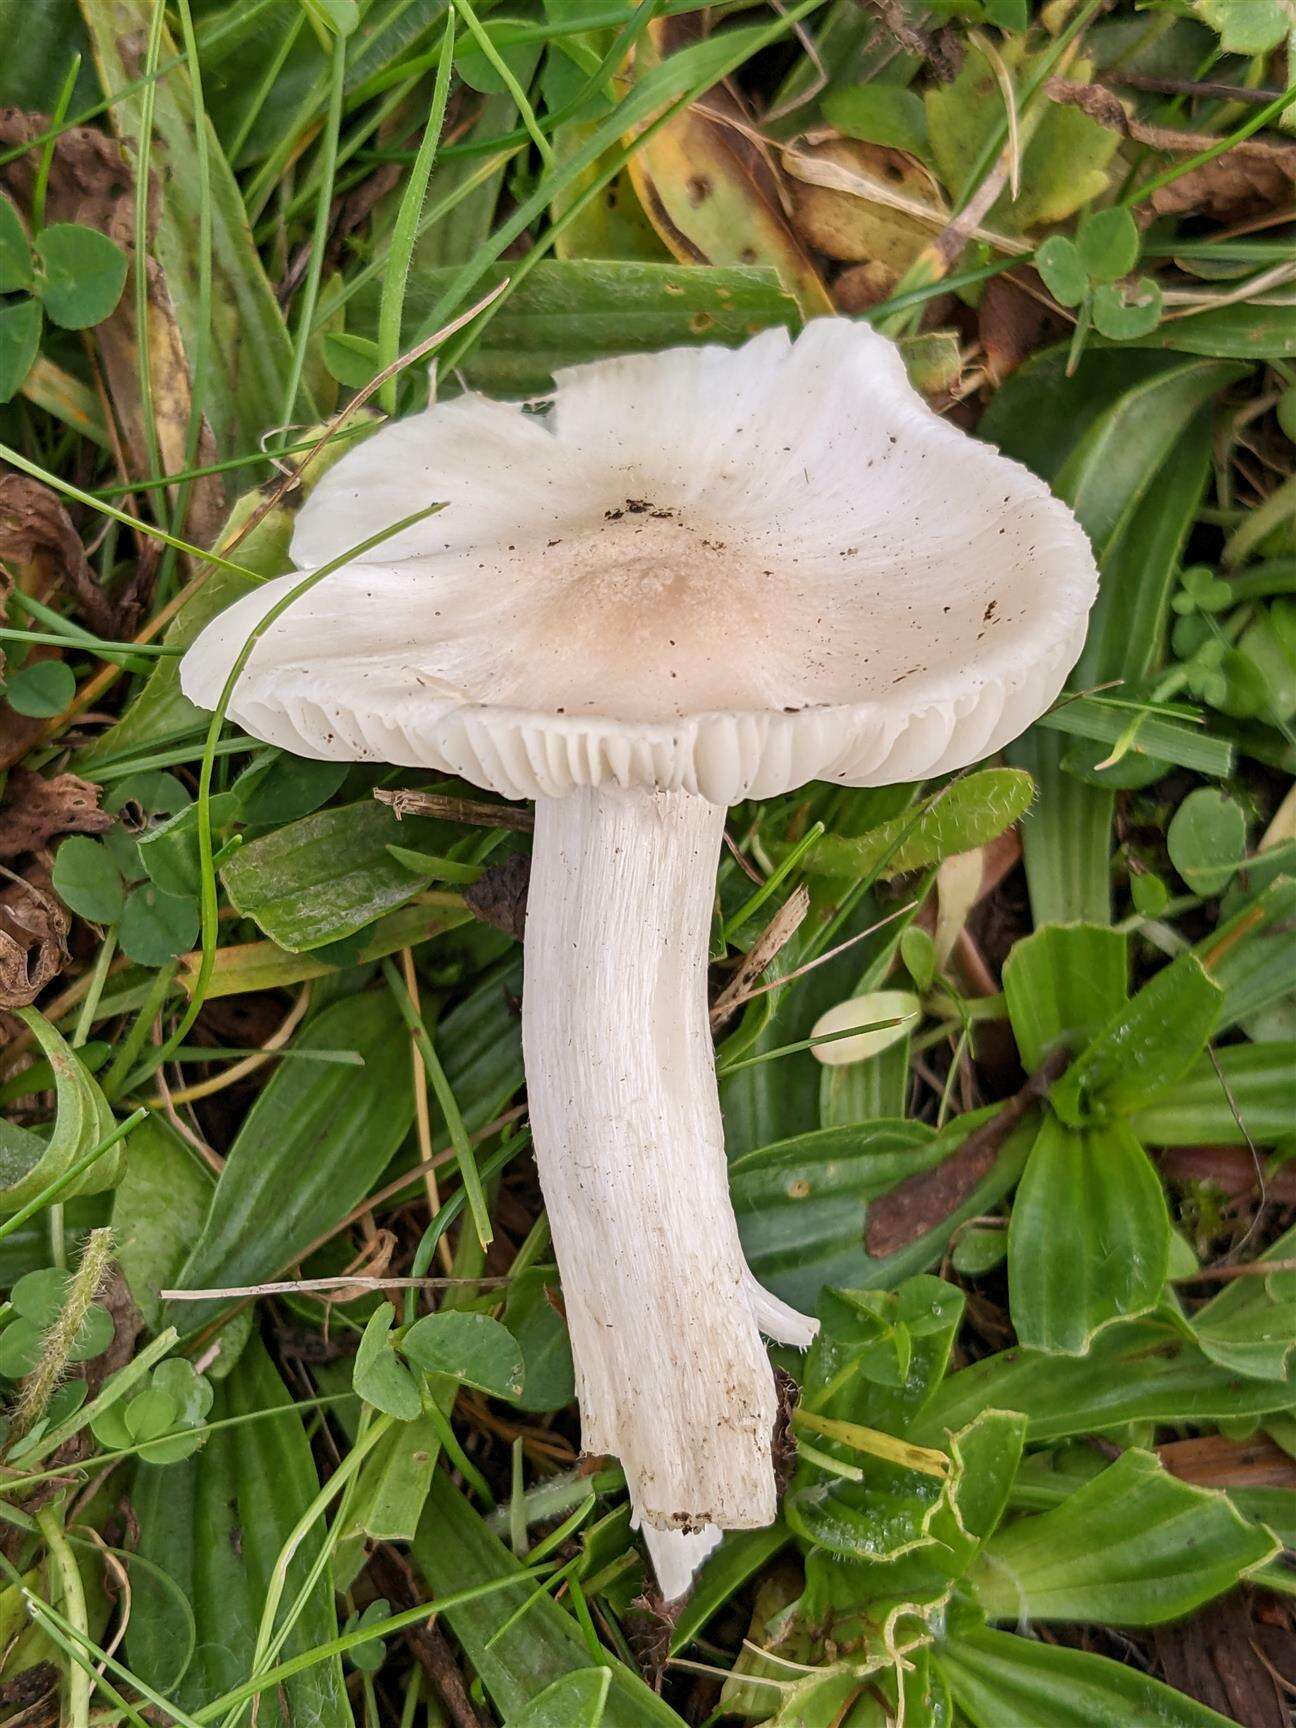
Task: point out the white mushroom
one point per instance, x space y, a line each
694 577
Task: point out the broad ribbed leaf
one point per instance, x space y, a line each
1132 1374
1253 955
28 1162
801 1204
1111 440
1062 984
215 1523
1146 1045
1253 1082
575 1701
311 1147
1002 1681
158 1212
1089 1240
1112 467
329 875
1133 1547
517 1655
586 309
1250 1325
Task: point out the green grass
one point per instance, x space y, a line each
1043 1230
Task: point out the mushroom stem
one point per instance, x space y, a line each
665 1316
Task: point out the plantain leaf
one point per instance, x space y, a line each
1133 1547
82 1118
575 1701
325 877
1002 1681
1145 1046
1252 956
1136 1373
310 1148
801 1203
158 1212
516 1654
1250 1326
1102 439
213 1525
569 311
1089 1240
1062 984
1253 1082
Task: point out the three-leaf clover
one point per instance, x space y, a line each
161 1419
1201 590
471 1348
1089 273
109 882
369 1656
70 274
37 1301
42 688
1248 27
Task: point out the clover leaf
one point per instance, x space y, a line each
70 273
162 1421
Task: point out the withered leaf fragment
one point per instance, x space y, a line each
33 939
36 810
1253 177
709 185
42 551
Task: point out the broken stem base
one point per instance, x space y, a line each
665 1316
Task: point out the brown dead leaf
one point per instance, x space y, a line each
37 810
863 204
25 1693
771 942
1012 325
1249 180
42 551
1215 1461
649 1627
1231 1169
499 895
33 938
944 48
783 1448
1257 175
404 801
709 185
1213 1658
861 286
90 181
922 1201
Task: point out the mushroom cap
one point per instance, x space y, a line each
726 571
